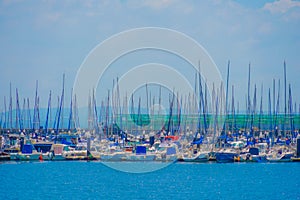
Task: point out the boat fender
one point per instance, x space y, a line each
51 155
41 157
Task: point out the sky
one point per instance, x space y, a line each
42 40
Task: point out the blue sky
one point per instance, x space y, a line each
41 40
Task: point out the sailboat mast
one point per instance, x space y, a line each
35 111
60 113
18 112
30 125
10 108
48 112
227 83
226 100
285 106
260 109
71 112
248 96
5 114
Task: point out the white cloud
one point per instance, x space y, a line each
281 6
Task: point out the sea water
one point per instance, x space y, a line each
94 180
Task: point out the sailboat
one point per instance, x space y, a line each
29 153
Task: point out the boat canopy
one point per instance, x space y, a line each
172 137
254 151
27 148
140 150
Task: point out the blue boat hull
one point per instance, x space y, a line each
224 157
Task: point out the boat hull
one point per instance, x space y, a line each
4 156
225 157
140 157
287 157
29 157
294 159
202 157
259 158
119 156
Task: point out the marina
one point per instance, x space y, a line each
152 99
196 129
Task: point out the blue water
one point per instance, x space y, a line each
93 180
